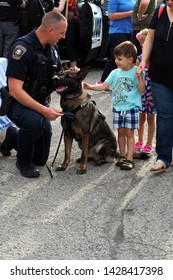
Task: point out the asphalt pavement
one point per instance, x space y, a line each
105 214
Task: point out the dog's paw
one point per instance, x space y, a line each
60 168
81 171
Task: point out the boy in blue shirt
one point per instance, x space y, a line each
127 82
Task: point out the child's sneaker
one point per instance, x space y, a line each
147 149
138 146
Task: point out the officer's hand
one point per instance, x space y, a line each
51 113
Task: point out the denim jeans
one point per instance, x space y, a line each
163 99
34 136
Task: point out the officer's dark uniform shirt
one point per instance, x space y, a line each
29 61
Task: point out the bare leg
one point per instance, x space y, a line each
122 141
151 129
130 143
141 127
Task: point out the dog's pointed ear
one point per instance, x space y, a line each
83 72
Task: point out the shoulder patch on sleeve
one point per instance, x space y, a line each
18 52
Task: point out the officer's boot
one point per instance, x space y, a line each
28 171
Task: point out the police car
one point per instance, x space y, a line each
93 37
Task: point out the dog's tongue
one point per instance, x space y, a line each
61 88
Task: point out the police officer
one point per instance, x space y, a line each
9 23
32 62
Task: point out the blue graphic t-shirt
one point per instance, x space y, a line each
125 93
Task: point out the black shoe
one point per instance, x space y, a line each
28 171
5 147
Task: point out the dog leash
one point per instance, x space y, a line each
50 169
70 116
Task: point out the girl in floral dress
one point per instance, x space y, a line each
148 111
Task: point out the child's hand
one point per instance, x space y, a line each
86 85
140 77
138 72
142 65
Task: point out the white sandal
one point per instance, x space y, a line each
159 166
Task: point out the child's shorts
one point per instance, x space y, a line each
128 119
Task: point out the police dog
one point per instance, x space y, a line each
83 122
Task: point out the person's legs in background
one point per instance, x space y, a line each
9 35
72 41
150 133
163 100
139 144
114 40
148 147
